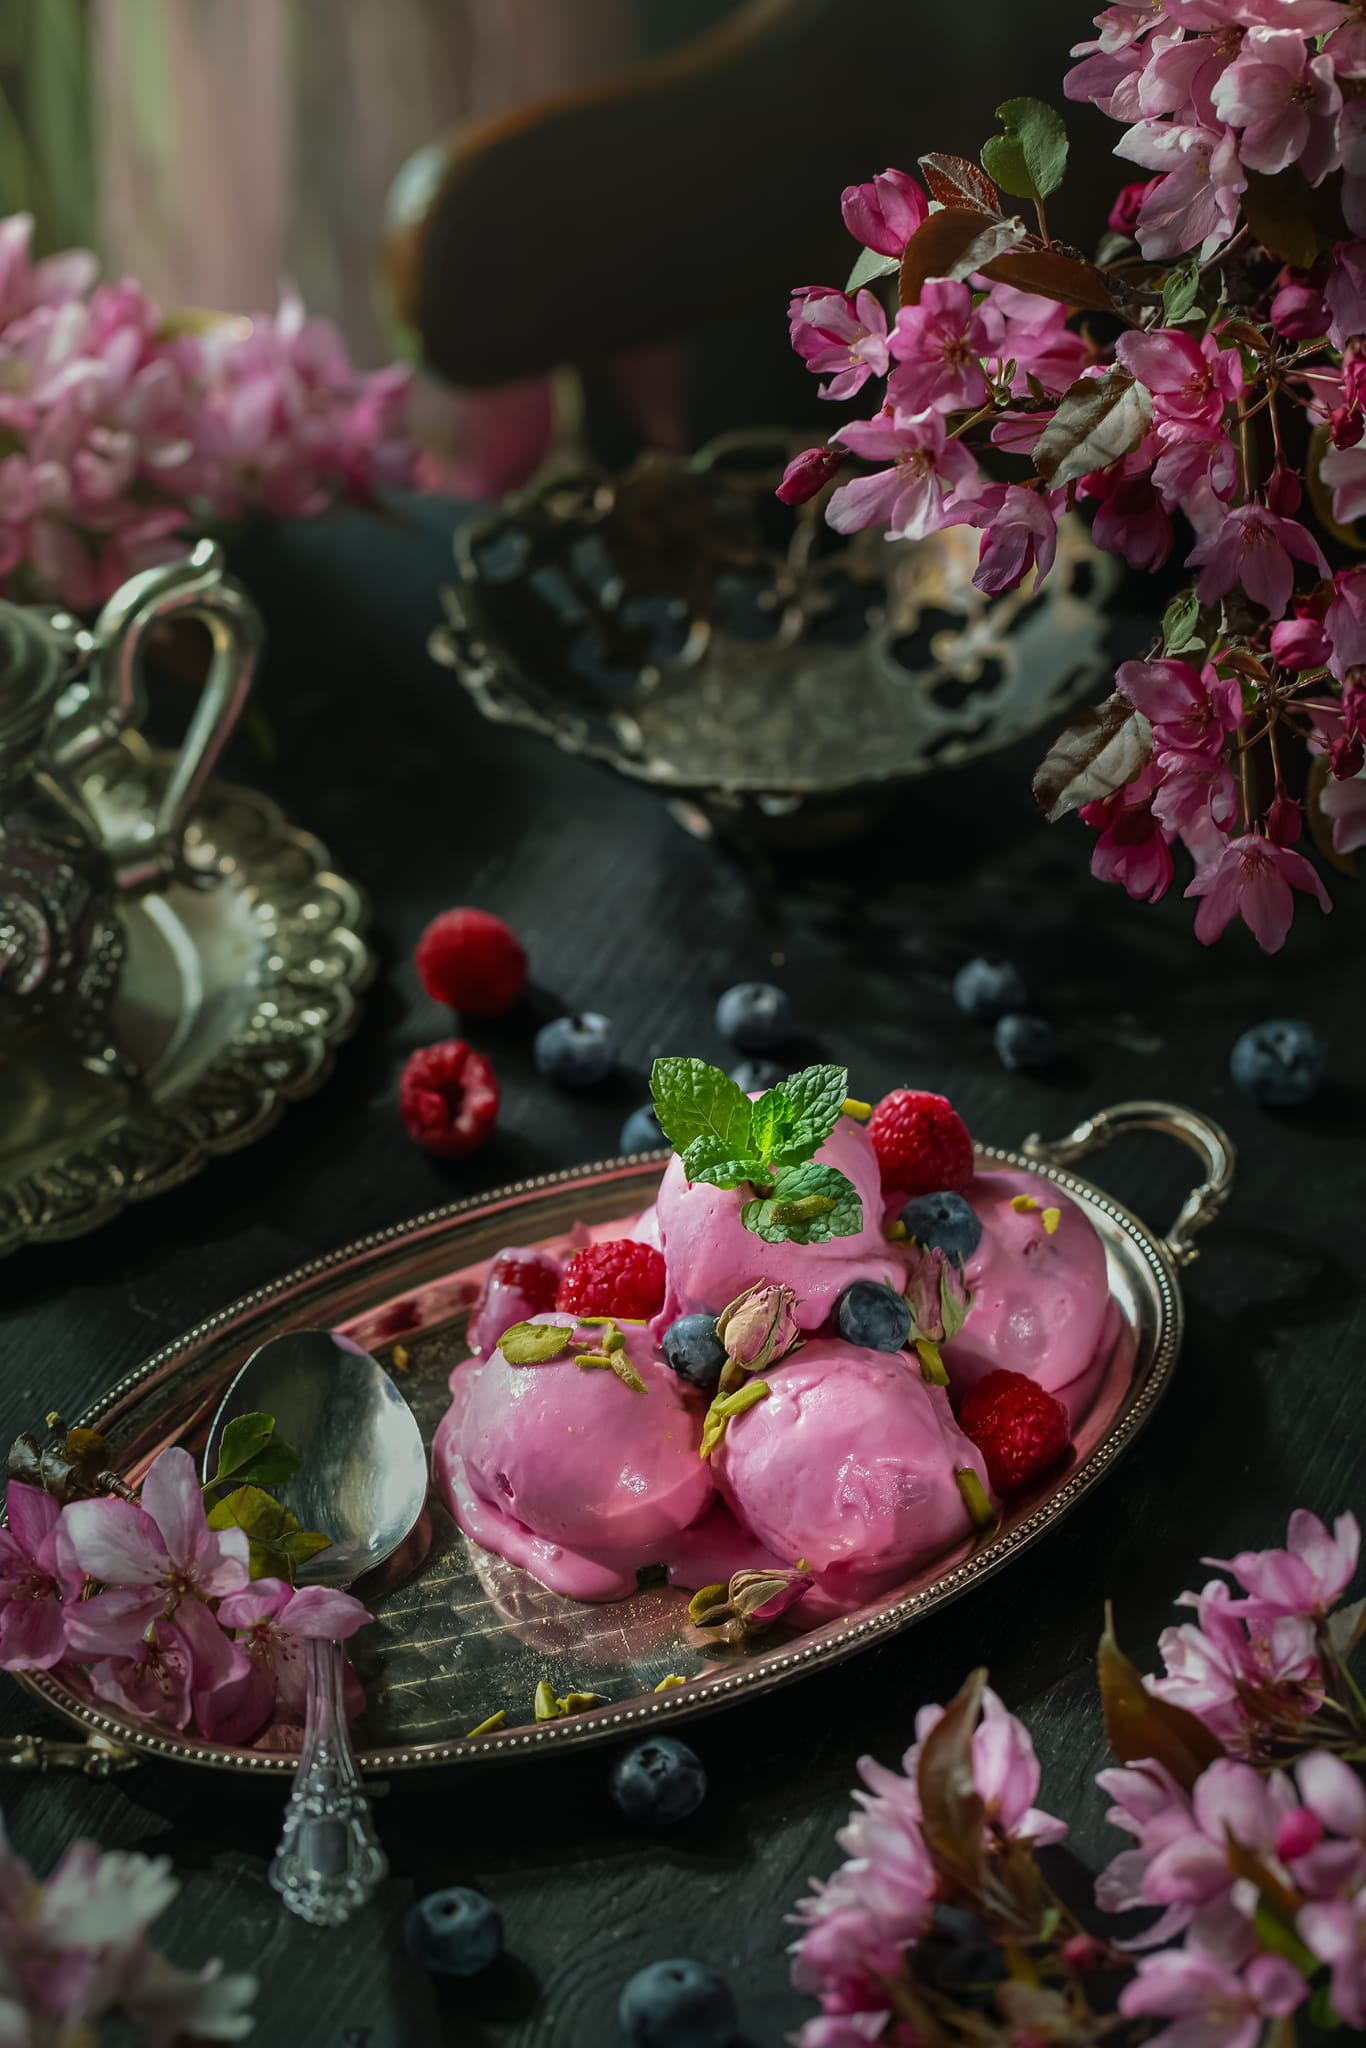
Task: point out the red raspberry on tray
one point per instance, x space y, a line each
922 1143
616 1278
1017 1426
448 1098
469 959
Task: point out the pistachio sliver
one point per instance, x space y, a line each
931 1364
494 1721
1051 1219
726 1405
976 1499
534 1343
671 1679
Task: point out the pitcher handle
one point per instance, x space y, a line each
112 698
1211 1144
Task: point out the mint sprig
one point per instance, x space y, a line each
768 1146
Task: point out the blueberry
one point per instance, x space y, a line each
641 1132
756 1077
576 1051
988 988
454 1932
1279 1063
660 1780
873 1316
677 2005
754 1015
945 1220
693 1350
1024 1043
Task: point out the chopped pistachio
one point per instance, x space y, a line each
860 1111
613 1341
895 1231
1051 1219
672 1679
626 1372
975 1498
498 1720
593 1361
931 1364
579 1702
548 1707
726 1405
1023 1202
398 1357
534 1343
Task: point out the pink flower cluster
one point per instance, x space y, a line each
123 430
1253 1867
1172 416
74 1949
159 1608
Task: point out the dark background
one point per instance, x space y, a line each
379 752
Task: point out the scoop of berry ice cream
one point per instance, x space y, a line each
712 1258
520 1282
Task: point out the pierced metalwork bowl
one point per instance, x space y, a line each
774 679
459 1633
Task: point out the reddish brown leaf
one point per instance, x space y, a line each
951 1808
1140 1728
1097 420
954 181
1243 663
953 244
1103 748
1054 276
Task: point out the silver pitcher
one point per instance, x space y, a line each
66 692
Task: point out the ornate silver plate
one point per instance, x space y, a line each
458 1633
232 997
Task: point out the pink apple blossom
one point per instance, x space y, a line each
1345 622
832 332
1197 477
1234 1662
172 1671
1253 547
1197 802
1196 203
1335 1931
1021 533
1311 1573
1110 79
1284 100
1343 469
1253 878
1300 643
1299 310
1189 712
938 346
1343 801
1131 519
931 478
1345 293
33 1584
273 1623
1005 1771
1191 381
1209 2004
884 213
1132 848
1034 335
1180 75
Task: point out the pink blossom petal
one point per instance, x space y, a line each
113 1541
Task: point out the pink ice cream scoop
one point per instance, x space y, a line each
1041 1298
848 1465
712 1258
570 1472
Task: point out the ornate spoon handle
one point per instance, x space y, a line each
329 1861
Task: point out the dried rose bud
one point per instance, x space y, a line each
759 1326
753 1601
925 1293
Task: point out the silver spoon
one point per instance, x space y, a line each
363 1482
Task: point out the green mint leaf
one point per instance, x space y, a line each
1180 291
1028 161
693 1100
817 1095
713 1160
279 1542
534 1343
773 1120
809 1204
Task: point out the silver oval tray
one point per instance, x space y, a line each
459 1633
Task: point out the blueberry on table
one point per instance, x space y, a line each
454 1933
659 1781
576 1051
943 1221
677 2005
756 1077
693 1350
873 1316
754 1015
1279 1063
641 1131
986 989
1024 1043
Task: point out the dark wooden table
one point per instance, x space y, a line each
379 753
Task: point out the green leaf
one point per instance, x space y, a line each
534 1343
1181 622
279 1542
818 1095
693 1100
953 1307
1321 2012
1180 291
1275 1933
774 1123
244 1437
713 1160
1030 158
809 1204
870 266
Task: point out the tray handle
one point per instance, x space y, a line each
1211 1145
97 1757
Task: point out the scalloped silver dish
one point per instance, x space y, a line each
232 998
459 1633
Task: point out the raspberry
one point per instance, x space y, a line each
616 1278
471 960
448 1098
922 1143
537 1283
1017 1426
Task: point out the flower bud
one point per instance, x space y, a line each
1345 426
810 472
1124 212
1284 820
759 1326
753 1601
1283 492
1298 311
1300 643
884 213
